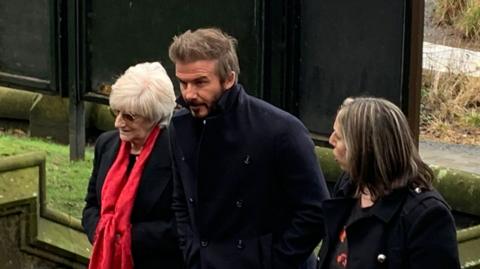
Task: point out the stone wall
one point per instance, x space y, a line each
30 238
14 253
48 116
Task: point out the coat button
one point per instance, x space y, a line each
204 243
239 203
190 200
247 160
418 190
240 244
381 258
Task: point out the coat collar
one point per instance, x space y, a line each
384 209
151 186
225 103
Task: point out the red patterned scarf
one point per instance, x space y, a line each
112 246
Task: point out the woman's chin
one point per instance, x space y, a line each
125 137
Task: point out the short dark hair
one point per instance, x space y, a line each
207 44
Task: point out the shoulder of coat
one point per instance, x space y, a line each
419 200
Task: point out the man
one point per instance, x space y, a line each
248 187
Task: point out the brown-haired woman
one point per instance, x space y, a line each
385 213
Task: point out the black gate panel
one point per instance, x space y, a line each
349 48
28 45
119 33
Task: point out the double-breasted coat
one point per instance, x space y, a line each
248 188
154 236
407 229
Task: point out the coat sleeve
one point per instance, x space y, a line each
431 240
305 188
179 202
91 211
155 236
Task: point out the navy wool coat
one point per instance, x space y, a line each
154 237
248 187
407 229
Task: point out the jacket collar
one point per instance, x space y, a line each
385 208
226 101
150 183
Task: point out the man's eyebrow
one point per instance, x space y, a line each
202 78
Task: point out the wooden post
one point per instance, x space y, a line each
414 52
76 123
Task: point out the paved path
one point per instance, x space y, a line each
456 60
462 157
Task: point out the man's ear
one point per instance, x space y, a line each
230 80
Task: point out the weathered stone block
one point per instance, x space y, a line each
101 118
49 118
16 104
29 239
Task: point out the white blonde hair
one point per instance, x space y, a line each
146 90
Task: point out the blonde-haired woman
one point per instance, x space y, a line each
385 213
127 215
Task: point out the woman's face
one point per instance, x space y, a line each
132 128
338 143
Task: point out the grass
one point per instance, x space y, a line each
66 181
463 15
450 107
473 118
447 11
469 22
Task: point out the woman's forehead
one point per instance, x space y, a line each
126 108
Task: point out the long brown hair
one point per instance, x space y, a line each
380 151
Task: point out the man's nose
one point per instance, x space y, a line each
189 92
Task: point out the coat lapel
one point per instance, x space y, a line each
335 212
108 157
386 208
185 148
156 175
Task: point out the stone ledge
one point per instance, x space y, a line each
460 189
35 232
45 233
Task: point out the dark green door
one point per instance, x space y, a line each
117 34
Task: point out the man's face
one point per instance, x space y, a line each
200 85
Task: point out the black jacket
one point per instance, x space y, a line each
154 237
248 188
411 228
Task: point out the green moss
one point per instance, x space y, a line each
66 181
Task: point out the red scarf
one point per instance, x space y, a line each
112 246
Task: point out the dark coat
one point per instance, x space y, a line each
412 228
154 237
248 188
